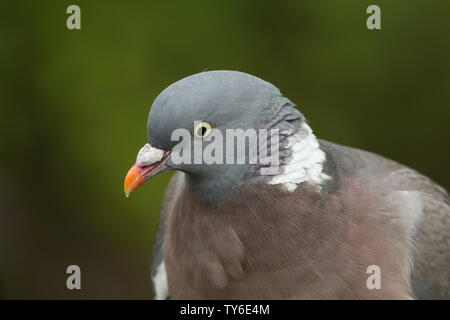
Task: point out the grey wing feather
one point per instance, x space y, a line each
422 205
431 262
158 272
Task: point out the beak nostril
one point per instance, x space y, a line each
149 155
150 161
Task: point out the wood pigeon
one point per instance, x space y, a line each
328 222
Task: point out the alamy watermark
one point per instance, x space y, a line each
73 21
374 280
234 146
374 20
74 280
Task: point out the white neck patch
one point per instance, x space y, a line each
306 163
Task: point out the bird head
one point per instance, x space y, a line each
196 112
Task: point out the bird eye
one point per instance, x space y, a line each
202 129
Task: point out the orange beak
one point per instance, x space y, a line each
139 174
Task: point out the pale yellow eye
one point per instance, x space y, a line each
202 130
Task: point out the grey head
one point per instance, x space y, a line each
226 100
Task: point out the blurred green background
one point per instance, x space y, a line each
74 107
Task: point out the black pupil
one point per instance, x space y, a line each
203 131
